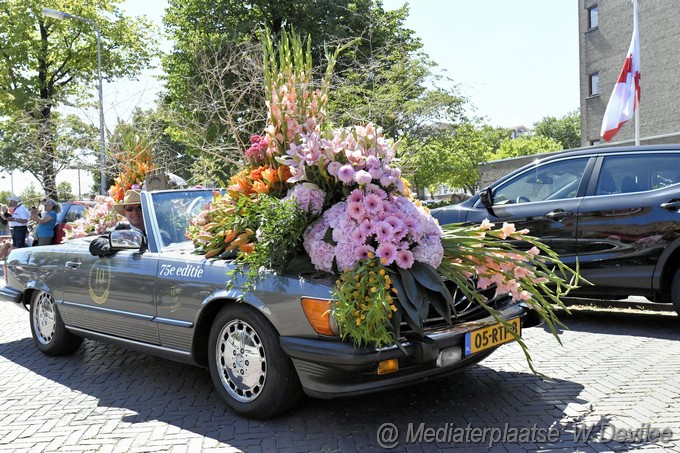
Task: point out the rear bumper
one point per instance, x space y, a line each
330 369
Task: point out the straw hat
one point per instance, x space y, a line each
131 198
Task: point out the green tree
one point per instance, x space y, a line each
452 157
4 197
21 139
388 80
526 145
215 92
147 129
65 191
45 62
30 196
471 146
565 130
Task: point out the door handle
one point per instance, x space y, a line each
72 264
670 205
559 214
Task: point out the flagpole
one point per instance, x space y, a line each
637 94
637 126
625 97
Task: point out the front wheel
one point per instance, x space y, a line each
48 330
247 365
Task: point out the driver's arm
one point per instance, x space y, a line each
101 247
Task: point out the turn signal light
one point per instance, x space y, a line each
388 366
318 312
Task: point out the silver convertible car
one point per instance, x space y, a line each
264 347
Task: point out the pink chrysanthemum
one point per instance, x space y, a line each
404 259
387 253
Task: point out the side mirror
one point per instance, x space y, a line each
126 239
486 197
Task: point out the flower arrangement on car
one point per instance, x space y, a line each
95 220
134 162
313 198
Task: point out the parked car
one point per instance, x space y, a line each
615 210
70 212
155 295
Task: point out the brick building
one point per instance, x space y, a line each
605 30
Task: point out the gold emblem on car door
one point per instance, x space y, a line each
99 281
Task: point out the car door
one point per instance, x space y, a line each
628 217
114 295
543 199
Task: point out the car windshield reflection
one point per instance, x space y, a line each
174 211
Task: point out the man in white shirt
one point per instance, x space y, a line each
18 222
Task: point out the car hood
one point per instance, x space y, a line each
455 213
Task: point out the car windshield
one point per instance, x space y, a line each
174 211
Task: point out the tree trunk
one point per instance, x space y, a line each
48 175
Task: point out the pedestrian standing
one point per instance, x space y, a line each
18 222
47 222
4 224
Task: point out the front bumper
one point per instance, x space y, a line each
329 369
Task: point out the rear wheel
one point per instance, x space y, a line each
675 291
48 330
247 365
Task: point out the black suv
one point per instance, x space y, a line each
616 210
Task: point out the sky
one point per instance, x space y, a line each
515 61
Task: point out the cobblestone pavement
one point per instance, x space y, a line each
616 375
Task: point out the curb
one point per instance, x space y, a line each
633 303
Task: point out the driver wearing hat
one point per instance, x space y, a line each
130 208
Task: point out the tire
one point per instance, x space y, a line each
675 291
254 377
47 328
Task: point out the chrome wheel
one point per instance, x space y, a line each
247 365
47 328
44 318
242 361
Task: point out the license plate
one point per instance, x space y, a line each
490 336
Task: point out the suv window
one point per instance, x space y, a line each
637 173
552 181
70 212
75 212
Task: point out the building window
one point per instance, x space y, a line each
594 84
592 17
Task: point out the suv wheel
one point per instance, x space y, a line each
675 291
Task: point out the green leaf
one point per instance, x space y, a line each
440 303
395 323
411 288
299 265
428 276
328 237
410 313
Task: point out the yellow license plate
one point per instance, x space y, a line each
490 336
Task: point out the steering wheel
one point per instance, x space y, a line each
196 206
522 199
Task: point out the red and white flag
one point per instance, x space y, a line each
626 94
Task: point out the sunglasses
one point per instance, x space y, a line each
133 208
